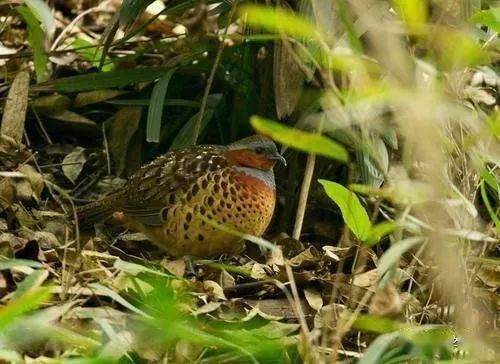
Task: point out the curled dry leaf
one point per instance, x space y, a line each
313 298
73 163
214 290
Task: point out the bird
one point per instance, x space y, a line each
173 199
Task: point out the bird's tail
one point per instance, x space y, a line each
97 211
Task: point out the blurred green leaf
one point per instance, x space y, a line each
490 18
378 231
377 348
44 14
36 39
101 80
11 263
457 49
353 212
391 257
377 324
30 283
300 140
25 303
155 112
92 54
278 20
413 13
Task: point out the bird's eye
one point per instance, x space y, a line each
259 150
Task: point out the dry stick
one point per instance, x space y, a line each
197 126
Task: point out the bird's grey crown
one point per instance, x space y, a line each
254 142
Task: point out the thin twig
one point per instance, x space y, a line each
210 80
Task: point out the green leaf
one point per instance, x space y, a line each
300 140
36 39
278 20
27 302
413 12
43 13
92 54
30 283
124 125
490 18
353 212
378 231
155 111
11 263
377 324
377 348
131 9
100 80
391 257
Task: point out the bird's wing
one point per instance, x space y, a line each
145 194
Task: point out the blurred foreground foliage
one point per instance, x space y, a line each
395 101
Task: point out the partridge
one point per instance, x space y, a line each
173 199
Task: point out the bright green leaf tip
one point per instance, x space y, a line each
299 139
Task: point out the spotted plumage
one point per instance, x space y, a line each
173 199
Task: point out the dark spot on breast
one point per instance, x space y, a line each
210 200
224 220
164 214
229 205
224 185
238 208
186 237
234 199
189 217
204 184
186 226
225 194
216 188
195 189
202 210
217 178
189 196
171 199
232 190
200 237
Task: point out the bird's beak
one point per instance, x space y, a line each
278 157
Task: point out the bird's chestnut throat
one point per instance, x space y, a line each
248 158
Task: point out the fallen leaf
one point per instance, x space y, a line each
14 114
214 289
313 298
73 163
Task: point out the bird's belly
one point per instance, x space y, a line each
204 225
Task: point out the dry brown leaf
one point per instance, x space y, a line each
176 267
214 290
14 114
288 79
313 298
73 163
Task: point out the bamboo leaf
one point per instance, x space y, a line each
156 105
100 80
300 140
353 212
278 20
36 39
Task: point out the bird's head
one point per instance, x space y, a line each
256 151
